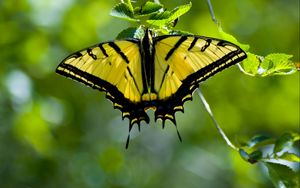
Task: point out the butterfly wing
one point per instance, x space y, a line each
113 67
181 62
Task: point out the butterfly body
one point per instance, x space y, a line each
158 73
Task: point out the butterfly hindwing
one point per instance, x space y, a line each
181 62
113 67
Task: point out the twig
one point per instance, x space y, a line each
213 17
206 105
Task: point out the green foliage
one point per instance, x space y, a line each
253 157
276 161
164 19
290 157
285 141
78 137
156 16
282 176
147 9
272 64
153 13
255 65
231 38
259 140
123 11
131 32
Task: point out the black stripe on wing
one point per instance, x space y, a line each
166 108
133 111
119 51
178 43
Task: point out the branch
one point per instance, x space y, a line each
206 105
213 17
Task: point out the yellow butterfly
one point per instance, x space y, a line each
159 72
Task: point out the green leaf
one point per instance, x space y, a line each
255 156
161 15
278 64
251 64
127 33
128 2
260 140
131 32
179 32
244 154
231 38
272 64
290 157
285 141
123 11
163 19
296 136
148 8
160 19
282 176
179 11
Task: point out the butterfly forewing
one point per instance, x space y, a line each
113 67
180 57
181 62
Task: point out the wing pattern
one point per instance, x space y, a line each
181 62
115 68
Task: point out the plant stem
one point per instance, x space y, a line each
206 105
213 17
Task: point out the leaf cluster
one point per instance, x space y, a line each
150 13
162 21
277 155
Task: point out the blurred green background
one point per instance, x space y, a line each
55 132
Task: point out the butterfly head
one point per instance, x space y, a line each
147 39
148 34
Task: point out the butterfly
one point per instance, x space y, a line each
154 72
